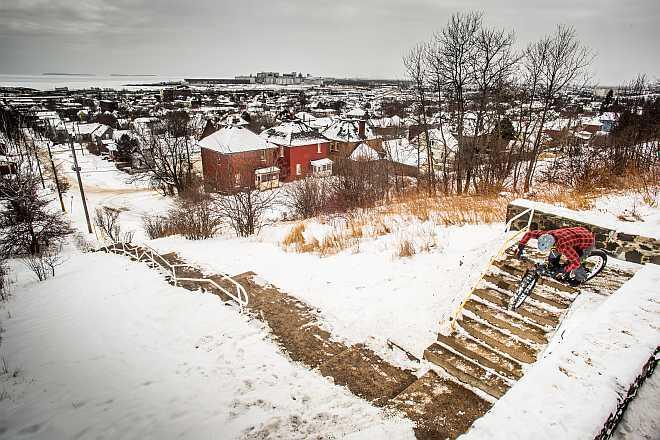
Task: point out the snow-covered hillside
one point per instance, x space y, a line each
107 349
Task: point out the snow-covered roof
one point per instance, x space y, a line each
609 116
293 134
267 170
348 131
305 116
84 129
357 113
233 139
321 162
401 151
364 152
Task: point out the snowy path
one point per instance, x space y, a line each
108 350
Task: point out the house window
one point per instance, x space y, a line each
318 148
237 179
263 155
281 151
298 169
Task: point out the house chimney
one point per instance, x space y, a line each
361 125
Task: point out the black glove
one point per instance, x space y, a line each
520 252
560 275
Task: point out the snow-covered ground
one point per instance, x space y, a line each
105 185
107 349
369 295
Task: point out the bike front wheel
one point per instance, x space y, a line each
525 287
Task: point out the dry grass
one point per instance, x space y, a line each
450 210
406 249
571 199
295 236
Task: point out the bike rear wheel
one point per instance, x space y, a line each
595 263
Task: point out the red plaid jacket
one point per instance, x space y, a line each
567 242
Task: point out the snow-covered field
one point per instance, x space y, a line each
107 349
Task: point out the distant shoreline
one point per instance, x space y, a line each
124 74
67 74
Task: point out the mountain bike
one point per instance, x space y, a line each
594 263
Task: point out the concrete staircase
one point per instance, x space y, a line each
491 347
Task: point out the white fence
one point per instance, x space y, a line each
142 251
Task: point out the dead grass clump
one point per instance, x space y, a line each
335 243
295 236
406 249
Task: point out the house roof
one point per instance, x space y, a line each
321 162
348 131
364 152
293 134
234 139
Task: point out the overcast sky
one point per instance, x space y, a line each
343 38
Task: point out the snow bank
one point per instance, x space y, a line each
605 214
107 349
573 390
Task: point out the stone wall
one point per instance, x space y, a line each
634 248
613 420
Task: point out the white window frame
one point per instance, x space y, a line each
318 148
298 169
237 179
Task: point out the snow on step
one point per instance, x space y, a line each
440 408
466 371
516 269
507 321
538 315
482 354
499 340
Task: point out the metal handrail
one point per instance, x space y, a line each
505 245
139 251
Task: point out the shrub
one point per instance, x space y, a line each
307 197
157 226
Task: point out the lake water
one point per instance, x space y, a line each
49 82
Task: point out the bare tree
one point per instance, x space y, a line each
308 197
245 210
166 153
28 223
43 264
414 63
107 220
455 47
560 60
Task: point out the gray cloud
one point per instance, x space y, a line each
325 37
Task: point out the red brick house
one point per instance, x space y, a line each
236 158
300 150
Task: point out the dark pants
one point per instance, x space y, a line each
579 274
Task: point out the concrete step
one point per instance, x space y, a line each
466 371
440 407
511 285
499 340
483 355
507 321
537 315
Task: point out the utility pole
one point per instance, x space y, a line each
57 182
80 185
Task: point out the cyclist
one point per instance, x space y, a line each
574 244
